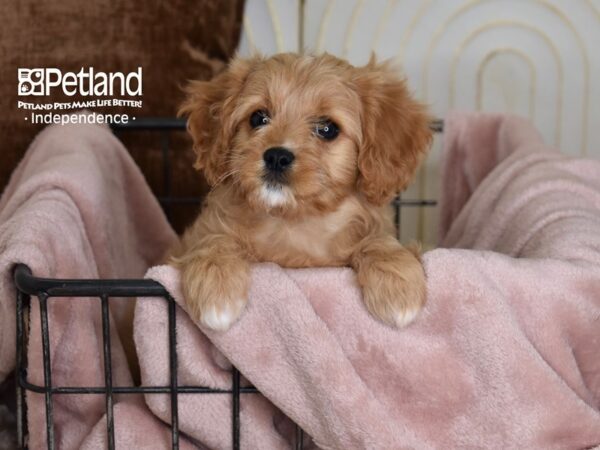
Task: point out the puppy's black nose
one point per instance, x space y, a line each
278 159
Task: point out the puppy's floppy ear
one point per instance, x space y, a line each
209 107
395 132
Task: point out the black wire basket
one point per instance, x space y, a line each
28 286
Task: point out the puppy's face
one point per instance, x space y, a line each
295 135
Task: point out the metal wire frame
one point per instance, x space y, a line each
28 286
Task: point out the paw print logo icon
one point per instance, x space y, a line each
31 82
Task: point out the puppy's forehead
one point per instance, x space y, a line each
301 85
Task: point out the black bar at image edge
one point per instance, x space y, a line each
108 373
43 300
173 371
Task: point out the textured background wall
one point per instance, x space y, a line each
539 59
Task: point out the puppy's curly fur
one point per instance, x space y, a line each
329 207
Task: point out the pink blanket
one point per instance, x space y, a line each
76 207
506 353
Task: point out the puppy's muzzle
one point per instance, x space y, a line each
277 160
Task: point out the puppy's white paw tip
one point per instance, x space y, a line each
221 319
405 317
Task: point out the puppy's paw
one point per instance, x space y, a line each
393 291
215 294
221 316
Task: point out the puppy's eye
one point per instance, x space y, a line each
327 130
259 118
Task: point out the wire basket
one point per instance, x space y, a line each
28 286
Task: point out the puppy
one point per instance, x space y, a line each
303 155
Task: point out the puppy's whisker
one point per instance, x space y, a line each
223 177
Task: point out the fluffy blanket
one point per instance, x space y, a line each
506 353
76 207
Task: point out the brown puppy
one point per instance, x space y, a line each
304 154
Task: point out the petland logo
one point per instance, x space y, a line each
94 86
86 82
